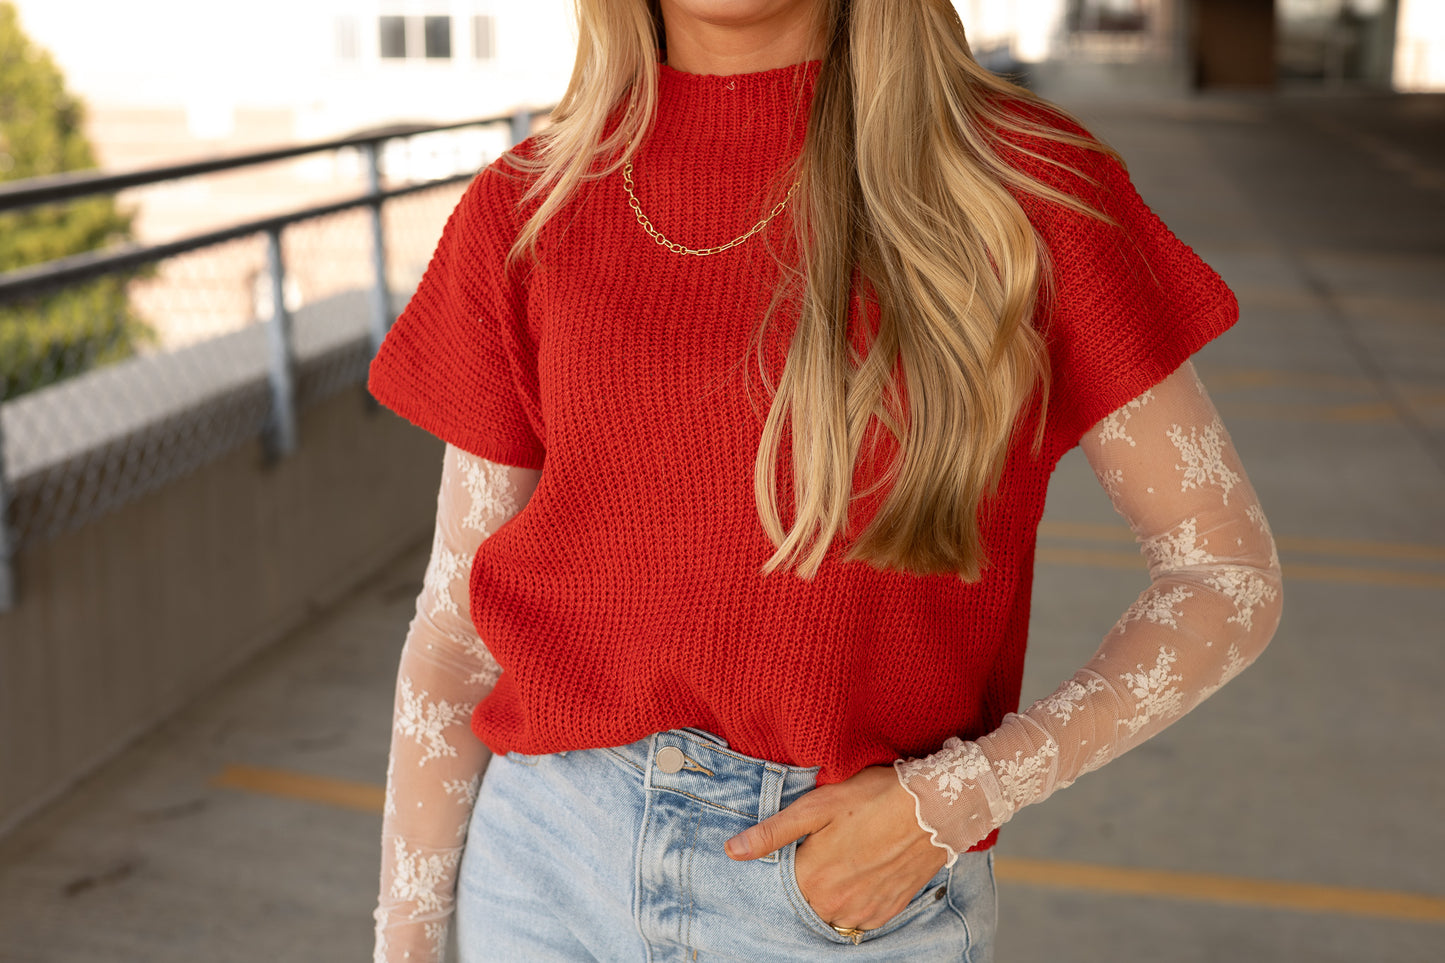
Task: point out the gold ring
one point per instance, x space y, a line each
848 932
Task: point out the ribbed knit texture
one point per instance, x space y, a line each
626 597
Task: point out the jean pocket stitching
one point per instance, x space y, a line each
915 907
623 759
802 909
706 802
953 905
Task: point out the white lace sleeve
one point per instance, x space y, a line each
1212 605
436 763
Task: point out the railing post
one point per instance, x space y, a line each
521 125
380 294
280 435
7 540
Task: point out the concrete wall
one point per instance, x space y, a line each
124 620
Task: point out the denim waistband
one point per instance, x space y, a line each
706 770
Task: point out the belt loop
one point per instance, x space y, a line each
651 759
770 800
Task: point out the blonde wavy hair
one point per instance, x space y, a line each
901 177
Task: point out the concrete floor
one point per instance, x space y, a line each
1295 816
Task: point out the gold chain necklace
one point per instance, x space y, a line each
677 248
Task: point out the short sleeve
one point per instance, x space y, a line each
457 362
1130 302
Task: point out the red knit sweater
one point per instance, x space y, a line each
625 598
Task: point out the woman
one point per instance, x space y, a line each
753 368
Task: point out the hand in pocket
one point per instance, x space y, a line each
865 856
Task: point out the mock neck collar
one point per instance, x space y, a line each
763 105
788 77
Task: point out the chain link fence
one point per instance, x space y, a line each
123 370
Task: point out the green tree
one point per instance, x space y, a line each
64 332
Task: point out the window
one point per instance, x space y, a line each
484 37
393 38
1108 16
348 43
438 32
428 38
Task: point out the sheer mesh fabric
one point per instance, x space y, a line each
436 764
1210 608
1212 604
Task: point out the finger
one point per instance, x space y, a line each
776 831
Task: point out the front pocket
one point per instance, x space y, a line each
801 907
934 893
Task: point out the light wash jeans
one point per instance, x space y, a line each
603 855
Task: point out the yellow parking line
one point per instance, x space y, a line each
1364 412
1049 554
1362 576
1358 548
300 785
1292 571
1225 380
1205 887
1167 884
1232 379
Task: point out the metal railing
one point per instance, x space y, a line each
85 443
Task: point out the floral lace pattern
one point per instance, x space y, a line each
1211 607
435 767
1214 579
1068 699
1154 692
1203 455
1022 776
1114 426
1160 606
1176 548
426 721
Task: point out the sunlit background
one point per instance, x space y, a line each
169 78
211 541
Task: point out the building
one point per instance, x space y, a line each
1196 44
167 80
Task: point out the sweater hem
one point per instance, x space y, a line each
424 416
1171 352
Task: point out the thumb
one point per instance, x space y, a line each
776 831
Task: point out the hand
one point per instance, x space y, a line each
865 855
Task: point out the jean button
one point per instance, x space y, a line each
670 759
